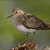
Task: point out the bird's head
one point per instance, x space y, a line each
16 12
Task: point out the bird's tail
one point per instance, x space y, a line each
47 26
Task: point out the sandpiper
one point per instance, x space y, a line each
27 23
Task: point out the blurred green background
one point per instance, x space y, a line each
9 35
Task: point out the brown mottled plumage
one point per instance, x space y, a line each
28 23
32 22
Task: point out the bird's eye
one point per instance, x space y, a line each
16 12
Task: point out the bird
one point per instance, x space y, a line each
27 23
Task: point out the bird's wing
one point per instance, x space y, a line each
32 22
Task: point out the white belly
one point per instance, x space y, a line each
25 30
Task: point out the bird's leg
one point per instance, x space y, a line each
25 39
32 36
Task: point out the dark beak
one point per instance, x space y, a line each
9 16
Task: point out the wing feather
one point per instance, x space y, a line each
32 22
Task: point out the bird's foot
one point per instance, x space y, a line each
23 42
